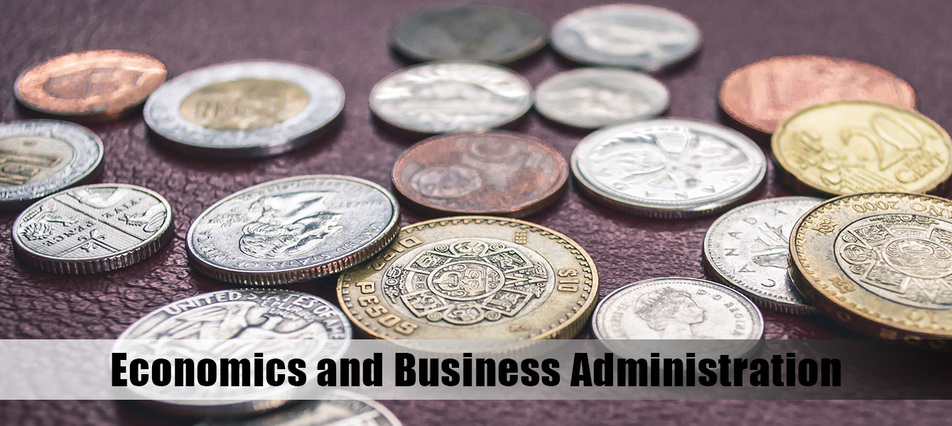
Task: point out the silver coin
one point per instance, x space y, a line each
244 109
626 35
668 168
443 97
748 248
589 98
40 157
93 228
292 229
337 408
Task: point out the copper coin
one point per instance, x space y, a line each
496 173
94 85
763 94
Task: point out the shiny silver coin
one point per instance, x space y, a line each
668 168
292 229
589 98
626 35
443 97
93 228
40 157
748 247
244 109
337 408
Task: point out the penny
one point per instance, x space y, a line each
292 229
855 146
471 32
589 98
668 168
92 228
747 248
244 109
40 157
93 85
337 408
626 35
763 94
443 97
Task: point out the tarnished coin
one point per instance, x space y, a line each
471 32
589 98
338 408
626 35
854 146
481 173
668 168
446 97
94 85
40 157
748 247
92 228
292 229
244 109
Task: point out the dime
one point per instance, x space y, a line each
481 173
854 146
668 168
626 35
244 109
292 229
763 94
446 97
40 157
93 228
471 32
94 85
748 247
589 98
338 408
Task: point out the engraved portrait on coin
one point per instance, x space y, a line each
670 312
595 97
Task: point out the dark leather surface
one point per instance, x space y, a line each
349 40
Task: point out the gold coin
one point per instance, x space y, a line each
850 147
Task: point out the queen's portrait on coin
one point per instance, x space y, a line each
670 312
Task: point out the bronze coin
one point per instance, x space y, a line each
496 173
94 85
763 94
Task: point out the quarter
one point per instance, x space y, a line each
589 98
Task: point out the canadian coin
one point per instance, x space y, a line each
93 228
589 98
443 97
668 168
481 173
855 146
337 408
292 229
244 109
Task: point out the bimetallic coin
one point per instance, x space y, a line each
244 109
93 228
854 146
40 157
668 168
292 229
626 35
337 408
481 173
446 97
470 32
589 98
748 247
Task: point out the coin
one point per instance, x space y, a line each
471 32
244 109
626 35
93 85
481 173
337 408
589 98
443 97
40 157
763 94
854 146
92 228
292 229
668 168
747 248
